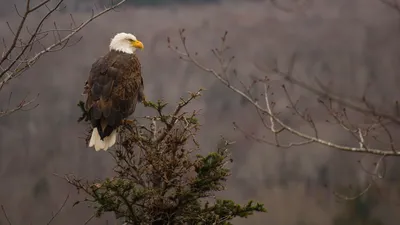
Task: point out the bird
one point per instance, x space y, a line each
113 89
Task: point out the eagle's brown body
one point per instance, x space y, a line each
113 88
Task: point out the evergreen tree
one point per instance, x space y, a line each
159 180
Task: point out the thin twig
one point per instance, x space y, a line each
90 219
5 215
375 175
59 210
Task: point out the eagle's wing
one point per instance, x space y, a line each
114 87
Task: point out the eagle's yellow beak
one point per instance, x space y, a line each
137 44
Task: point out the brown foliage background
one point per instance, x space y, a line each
348 42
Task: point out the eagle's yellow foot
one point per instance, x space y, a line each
143 99
128 122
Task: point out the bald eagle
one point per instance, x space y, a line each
113 88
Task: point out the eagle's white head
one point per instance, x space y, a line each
125 42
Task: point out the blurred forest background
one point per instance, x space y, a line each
356 41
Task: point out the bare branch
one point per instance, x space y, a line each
347 198
31 39
5 215
21 106
374 176
274 119
17 34
59 210
360 105
90 219
11 70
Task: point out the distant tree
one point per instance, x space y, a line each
159 179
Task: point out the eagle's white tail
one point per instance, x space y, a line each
99 144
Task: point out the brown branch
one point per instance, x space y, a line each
21 106
262 140
308 138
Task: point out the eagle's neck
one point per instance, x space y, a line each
113 53
122 47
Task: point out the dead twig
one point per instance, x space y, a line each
374 176
5 215
59 210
